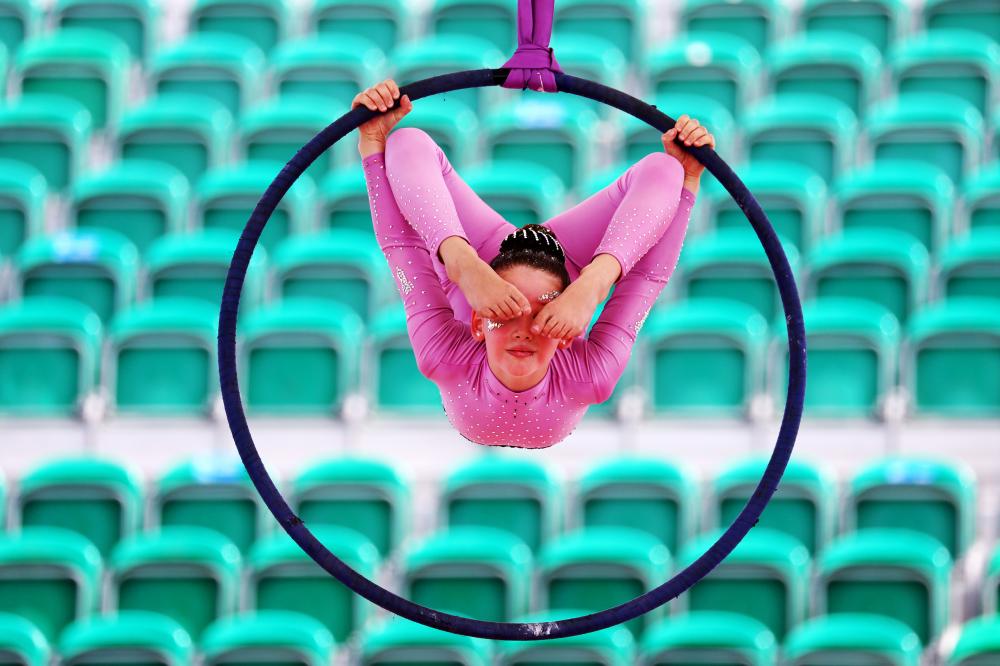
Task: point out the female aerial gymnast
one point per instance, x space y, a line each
497 332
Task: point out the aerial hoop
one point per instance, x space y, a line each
454 623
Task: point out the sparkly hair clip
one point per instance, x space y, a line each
493 325
549 296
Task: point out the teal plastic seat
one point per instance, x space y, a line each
978 644
970 266
803 507
488 19
480 572
948 61
138 638
852 355
187 132
519 496
97 267
23 192
342 202
716 345
49 356
48 132
936 497
264 22
336 69
19 20
708 638
600 567
283 577
368 496
190 574
88 66
214 493
301 356
845 67
640 139
521 192
938 128
978 15
852 638
953 358
881 22
981 198
597 57
162 358
281 638
647 494
991 584
884 266
611 646
720 66
894 572
760 22
220 66
395 384
99 499
385 22
621 22
49 576
140 199
401 642
22 643
134 22
807 129
765 577
275 130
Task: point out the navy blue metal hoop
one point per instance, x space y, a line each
453 623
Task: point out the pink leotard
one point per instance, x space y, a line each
417 200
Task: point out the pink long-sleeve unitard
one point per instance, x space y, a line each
417 200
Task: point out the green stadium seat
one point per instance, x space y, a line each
283 577
162 358
640 139
948 61
99 499
936 128
991 584
803 506
185 131
981 198
914 197
978 644
806 129
345 266
894 572
47 132
19 20
395 383
3 504
190 574
647 494
276 129
137 638
226 197
23 192
884 266
97 267
140 199
852 638
600 567
49 576
978 15
521 192
49 354
970 266
301 356
594 57
342 202
516 495
930 496
716 345
622 22
881 22
720 66
88 66
385 22
852 356
708 638
224 67
22 643
134 22
760 22
214 493
368 496
953 358
846 67
612 646
479 572
279 638
495 21
401 642
264 22
794 197
336 69
730 263
765 577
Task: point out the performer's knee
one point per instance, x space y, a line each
406 139
662 164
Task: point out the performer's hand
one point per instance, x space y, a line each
689 132
380 97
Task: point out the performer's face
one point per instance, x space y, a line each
520 370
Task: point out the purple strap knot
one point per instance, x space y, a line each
533 63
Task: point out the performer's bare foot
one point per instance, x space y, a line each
569 314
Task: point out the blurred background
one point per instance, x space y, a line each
135 139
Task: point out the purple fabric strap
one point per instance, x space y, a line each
532 64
